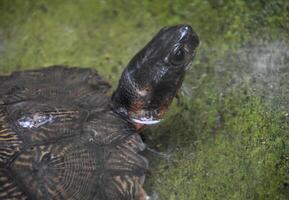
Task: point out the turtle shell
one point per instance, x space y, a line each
59 139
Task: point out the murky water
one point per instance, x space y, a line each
226 135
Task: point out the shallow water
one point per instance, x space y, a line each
226 136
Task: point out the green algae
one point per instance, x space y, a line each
244 155
226 139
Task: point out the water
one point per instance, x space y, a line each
227 134
242 98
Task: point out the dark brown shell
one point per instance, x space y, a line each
59 139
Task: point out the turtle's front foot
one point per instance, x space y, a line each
153 196
142 195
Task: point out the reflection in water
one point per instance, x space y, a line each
35 121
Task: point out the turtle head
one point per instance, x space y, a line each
152 78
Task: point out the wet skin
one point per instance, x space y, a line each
153 77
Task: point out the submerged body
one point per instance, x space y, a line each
63 137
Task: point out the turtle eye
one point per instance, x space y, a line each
178 56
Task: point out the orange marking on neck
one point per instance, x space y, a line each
136 106
164 106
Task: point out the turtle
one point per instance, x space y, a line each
63 136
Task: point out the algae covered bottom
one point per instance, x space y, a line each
226 136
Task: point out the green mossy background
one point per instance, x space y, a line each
227 136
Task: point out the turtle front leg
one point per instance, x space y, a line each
124 187
132 187
142 195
